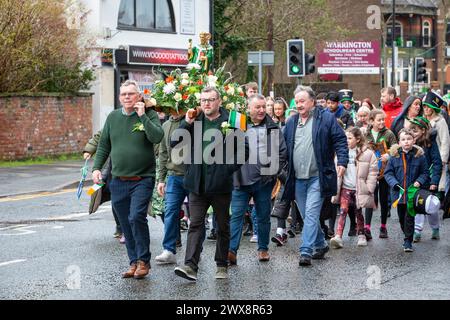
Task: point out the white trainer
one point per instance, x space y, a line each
362 241
336 242
166 257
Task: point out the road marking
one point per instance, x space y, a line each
67 217
11 262
12 227
37 195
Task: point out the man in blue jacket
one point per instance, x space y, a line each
313 137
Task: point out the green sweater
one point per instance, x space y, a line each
166 165
131 152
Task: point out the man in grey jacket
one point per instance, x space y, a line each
256 178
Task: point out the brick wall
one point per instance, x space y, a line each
34 126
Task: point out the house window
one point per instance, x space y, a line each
151 15
398 34
426 32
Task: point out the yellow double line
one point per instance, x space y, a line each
35 195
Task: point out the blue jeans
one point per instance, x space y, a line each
255 219
309 200
131 199
239 204
175 194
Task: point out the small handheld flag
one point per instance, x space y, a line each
237 120
401 193
94 188
84 171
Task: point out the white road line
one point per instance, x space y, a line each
69 216
11 262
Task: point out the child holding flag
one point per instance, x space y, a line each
379 139
406 168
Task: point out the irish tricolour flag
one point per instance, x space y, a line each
237 120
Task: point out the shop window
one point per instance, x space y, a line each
143 15
426 31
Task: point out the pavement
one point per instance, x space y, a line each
42 178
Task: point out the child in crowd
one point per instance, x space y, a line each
279 109
379 139
407 166
356 189
363 119
426 139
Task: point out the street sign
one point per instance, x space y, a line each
267 58
260 59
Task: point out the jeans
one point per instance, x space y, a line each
131 200
239 203
175 194
254 218
198 206
309 199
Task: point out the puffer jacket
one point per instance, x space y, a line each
416 170
366 179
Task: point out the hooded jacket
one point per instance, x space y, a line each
392 110
399 122
416 170
366 179
433 159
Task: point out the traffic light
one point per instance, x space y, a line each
420 72
295 58
309 63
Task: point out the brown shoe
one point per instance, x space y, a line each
130 272
142 270
263 256
232 258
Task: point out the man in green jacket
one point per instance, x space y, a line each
128 137
173 192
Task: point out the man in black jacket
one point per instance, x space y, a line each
208 180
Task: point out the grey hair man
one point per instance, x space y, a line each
313 137
128 136
255 179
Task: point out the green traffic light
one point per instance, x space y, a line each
295 69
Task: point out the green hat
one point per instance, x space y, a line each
433 100
421 122
345 95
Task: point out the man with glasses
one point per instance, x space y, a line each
209 183
128 136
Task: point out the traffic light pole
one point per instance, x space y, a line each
393 46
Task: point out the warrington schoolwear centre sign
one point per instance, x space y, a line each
350 57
